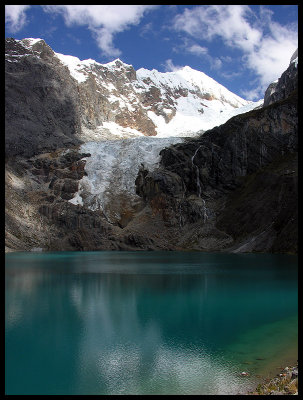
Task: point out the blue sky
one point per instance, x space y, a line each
242 47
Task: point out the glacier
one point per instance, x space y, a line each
112 169
181 104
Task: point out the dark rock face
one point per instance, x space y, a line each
234 188
238 179
262 213
41 101
239 147
226 153
285 85
39 215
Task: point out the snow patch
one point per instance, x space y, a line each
29 42
295 61
109 130
77 199
74 64
79 68
188 121
209 85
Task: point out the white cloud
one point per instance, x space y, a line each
252 94
104 38
270 59
104 21
266 45
147 28
15 17
170 67
216 63
198 50
231 75
227 21
227 59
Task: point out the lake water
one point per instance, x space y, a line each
147 322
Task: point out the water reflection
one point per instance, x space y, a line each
118 323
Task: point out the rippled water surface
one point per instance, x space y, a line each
146 322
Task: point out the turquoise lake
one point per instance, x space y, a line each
147 322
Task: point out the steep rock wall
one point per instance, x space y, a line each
41 101
232 188
235 187
285 84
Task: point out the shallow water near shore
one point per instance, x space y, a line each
147 322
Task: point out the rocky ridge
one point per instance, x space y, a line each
41 101
62 100
285 85
238 180
231 188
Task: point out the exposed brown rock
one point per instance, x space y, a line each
234 188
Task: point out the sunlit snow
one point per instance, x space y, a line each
194 101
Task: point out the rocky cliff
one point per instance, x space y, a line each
238 180
41 101
285 85
55 100
68 187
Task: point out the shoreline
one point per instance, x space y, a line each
284 383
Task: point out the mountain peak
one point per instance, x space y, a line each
30 42
147 102
186 68
117 63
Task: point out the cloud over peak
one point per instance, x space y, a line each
263 42
243 45
15 16
104 21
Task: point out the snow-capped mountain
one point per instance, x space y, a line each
119 102
75 180
178 103
114 102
